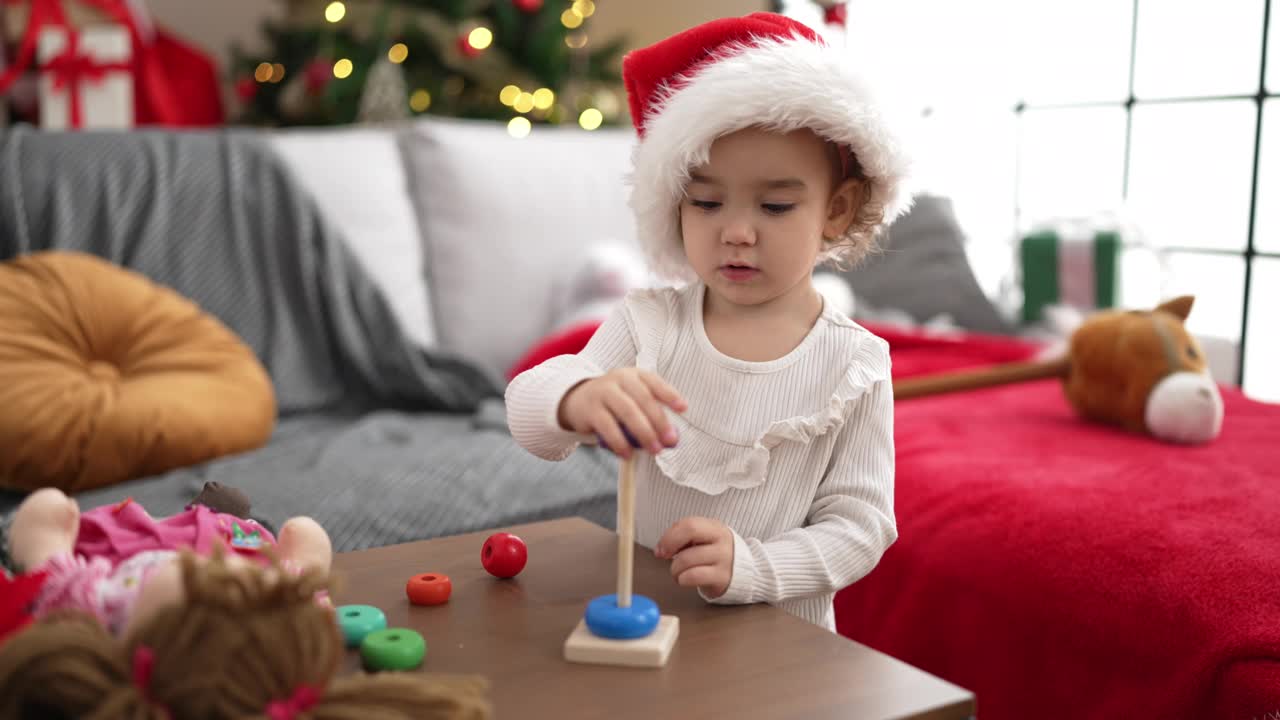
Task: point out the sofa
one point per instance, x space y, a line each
388 277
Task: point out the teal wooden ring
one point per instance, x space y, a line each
357 621
393 649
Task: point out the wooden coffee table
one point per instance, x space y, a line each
730 661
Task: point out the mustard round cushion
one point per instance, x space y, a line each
106 376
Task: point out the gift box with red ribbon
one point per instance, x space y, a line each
86 78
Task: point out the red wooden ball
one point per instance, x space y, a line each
504 555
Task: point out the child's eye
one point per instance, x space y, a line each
705 204
777 208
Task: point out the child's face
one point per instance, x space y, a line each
754 216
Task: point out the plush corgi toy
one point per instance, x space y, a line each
1140 370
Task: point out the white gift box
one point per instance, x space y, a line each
94 82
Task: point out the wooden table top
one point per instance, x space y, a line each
730 661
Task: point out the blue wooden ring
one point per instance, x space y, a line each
357 621
605 619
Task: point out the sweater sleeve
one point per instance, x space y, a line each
533 397
850 522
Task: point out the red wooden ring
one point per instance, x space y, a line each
429 589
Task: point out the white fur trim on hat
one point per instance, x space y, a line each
783 85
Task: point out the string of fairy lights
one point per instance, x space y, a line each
540 102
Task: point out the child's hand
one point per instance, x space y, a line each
701 554
628 396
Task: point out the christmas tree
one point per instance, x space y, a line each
521 61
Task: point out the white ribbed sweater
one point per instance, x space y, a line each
795 455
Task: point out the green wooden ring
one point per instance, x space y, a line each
357 621
393 649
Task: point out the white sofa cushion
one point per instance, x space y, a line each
357 177
506 221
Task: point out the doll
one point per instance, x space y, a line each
216 637
101 561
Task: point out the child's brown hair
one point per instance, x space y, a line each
243 641
860 239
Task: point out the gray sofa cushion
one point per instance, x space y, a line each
498 246
923 270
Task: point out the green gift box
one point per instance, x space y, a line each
1060 268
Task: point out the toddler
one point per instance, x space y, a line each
765 417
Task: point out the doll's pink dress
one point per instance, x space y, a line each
119 546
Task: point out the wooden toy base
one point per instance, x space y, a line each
650 651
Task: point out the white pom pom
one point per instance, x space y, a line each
1185 407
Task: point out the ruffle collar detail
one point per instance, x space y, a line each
704 462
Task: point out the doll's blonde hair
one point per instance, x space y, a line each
241 639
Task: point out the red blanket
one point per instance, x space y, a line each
1060 569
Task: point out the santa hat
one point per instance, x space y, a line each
759 70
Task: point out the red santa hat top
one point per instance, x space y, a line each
761 70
